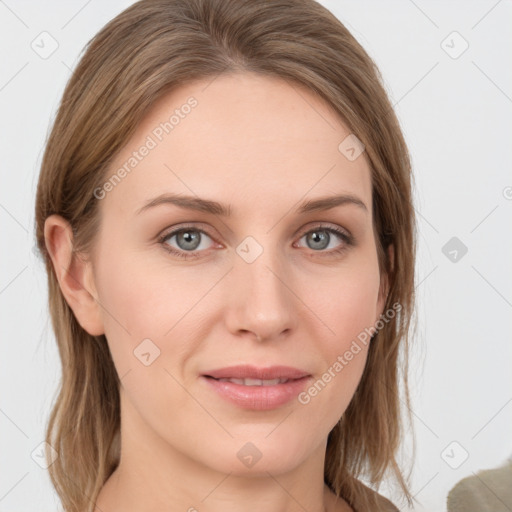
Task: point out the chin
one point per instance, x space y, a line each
258 455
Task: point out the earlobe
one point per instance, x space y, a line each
74 275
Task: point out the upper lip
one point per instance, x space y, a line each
253 372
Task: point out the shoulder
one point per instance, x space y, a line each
384 504
367 496
486 490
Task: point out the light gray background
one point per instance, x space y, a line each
456 116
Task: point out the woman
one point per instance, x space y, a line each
225 212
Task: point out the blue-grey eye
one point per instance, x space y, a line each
187 239
318 239
323 238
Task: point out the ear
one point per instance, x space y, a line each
384 283
74 275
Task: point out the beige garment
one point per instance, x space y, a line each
486 491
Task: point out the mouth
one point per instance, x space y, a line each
257 376
253 382
249 387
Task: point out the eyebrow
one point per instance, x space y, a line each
205 205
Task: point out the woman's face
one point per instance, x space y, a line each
260 281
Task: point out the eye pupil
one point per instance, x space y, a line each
319 238
190 238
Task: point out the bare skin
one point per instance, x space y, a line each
261 146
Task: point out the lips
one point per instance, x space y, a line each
253 376
256 394
255 382
261 389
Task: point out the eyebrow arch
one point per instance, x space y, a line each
215 208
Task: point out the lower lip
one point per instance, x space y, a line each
260 398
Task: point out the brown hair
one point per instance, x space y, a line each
155 46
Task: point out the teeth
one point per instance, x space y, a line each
255 382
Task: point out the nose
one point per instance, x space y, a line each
261 302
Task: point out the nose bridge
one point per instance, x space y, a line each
261 301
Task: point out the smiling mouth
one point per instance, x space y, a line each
253 382
257 394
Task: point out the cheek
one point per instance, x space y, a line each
349 310
146 299
347 306
346 303
148 315
142 300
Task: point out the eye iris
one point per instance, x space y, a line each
191 240
321 238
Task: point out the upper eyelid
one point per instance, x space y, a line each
174 231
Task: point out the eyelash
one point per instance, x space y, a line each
345 237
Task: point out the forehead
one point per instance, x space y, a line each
242 139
